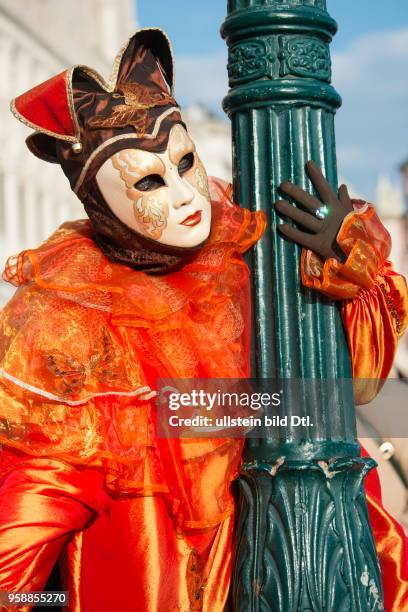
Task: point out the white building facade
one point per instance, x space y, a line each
38 39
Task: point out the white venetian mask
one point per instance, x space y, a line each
163 196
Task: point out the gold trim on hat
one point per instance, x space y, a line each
128 136
116 63
110 84
71 106
38 128
96 77
107 86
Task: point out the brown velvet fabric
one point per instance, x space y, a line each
140 96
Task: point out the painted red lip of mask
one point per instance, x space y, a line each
192 219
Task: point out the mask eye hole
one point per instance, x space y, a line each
186 163
149 183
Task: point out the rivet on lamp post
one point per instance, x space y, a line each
303 537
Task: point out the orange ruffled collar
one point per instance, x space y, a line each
71 264
84 339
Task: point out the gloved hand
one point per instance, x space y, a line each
322 221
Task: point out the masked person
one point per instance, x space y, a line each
152 285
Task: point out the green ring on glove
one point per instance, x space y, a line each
322 212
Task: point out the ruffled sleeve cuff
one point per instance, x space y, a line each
365 242
232 223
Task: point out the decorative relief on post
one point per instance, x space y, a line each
303 56
275 57
233 5
316 3
248 61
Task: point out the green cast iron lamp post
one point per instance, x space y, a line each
303 540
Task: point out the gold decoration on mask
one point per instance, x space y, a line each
180 143
151 212
201 180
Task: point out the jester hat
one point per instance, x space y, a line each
81 120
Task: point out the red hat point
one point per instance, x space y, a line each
47 108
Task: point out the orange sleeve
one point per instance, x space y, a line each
375 298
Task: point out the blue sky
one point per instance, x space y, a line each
370 71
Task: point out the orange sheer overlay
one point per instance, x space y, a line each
83 342
375 297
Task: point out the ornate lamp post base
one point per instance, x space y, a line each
303 542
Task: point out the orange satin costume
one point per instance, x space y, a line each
140 522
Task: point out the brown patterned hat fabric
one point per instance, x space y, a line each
81 119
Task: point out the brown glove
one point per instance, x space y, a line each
321 233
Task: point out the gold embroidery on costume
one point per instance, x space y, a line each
391 308
138 100
68 372
70 375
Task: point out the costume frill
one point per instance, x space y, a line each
82 344
84 341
